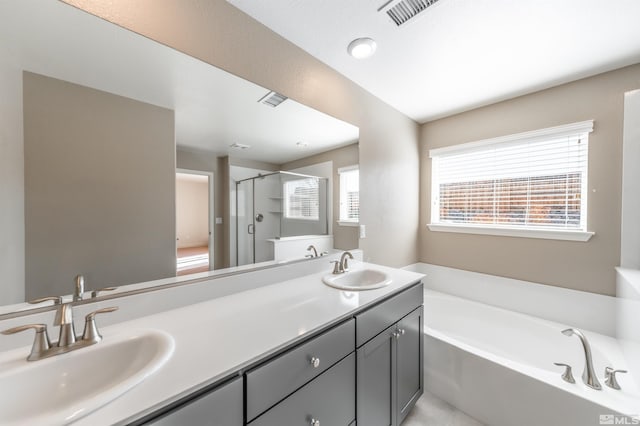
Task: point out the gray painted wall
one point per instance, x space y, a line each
11 183
99 188
587 266
344 237
219 34
630 231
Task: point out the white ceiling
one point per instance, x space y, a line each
461 54
213 109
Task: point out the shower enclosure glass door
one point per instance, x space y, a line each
277 205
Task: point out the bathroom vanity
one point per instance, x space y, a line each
315 381
294 352
282 352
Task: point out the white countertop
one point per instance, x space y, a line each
216 338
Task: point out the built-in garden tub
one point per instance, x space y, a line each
498 366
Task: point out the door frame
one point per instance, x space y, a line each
211 203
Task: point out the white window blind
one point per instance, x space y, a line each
533 180
301 199
349 194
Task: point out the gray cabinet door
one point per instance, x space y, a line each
372 321
409 349
376 396
220 407
328 399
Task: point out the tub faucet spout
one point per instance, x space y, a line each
588 375
315 252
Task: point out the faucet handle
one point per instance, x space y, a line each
567 376
91 333
336 267
610 377
40 343
57 300
96 293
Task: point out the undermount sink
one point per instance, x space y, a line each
359 279
64 388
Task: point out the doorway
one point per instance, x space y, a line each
194 221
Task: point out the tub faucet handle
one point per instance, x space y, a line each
610 377
567 376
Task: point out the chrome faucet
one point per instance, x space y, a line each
64 320
315 252
344 265
67 341
78 291
341 266
588 375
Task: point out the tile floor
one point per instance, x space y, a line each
432 411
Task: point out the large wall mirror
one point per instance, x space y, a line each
125 161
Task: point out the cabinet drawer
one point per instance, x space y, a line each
373 321
270 383
329 399
220 407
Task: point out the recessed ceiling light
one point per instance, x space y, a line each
237 145
361 48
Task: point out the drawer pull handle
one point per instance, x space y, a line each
316 363
315 422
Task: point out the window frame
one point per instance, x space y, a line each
287 200
342 192
527 231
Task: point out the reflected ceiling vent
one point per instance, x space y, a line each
273 99
239 146
403 11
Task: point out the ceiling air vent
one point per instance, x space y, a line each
402 11
273 99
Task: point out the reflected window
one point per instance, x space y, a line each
302 199
349 194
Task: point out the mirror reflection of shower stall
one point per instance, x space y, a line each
274 206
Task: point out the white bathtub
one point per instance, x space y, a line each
497 366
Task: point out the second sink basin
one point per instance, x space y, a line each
359 279
64 388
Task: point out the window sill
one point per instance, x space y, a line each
547 234
346 223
